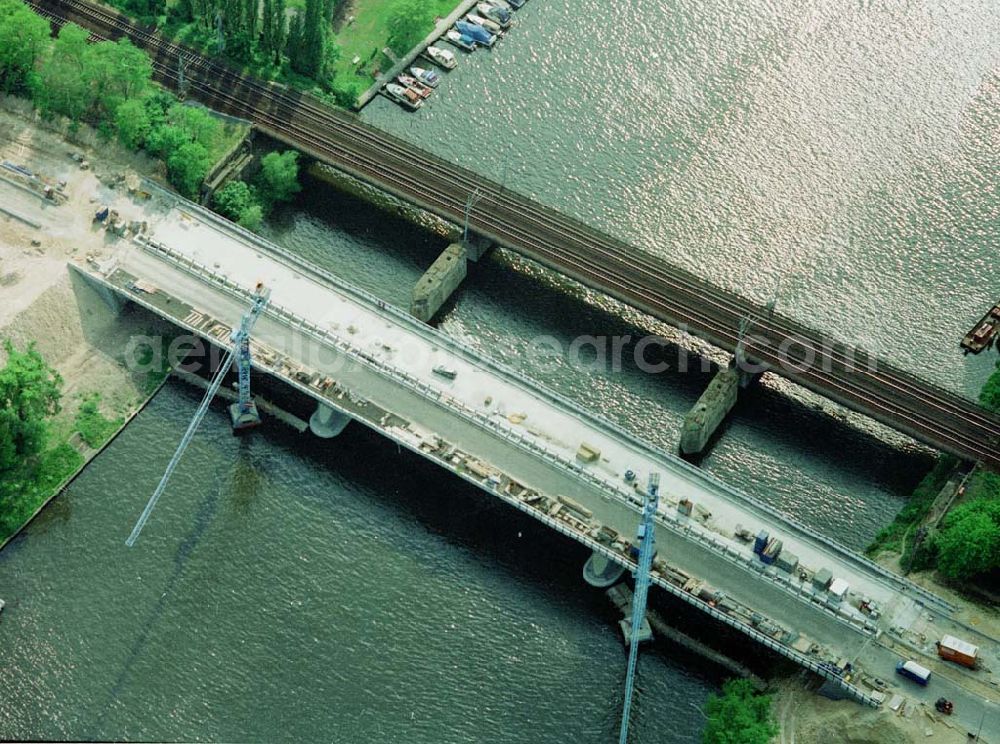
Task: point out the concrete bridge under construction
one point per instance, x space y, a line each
367 362
777 343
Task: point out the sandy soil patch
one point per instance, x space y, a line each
806 717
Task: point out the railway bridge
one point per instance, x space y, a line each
831 368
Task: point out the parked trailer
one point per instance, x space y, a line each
957 650
912 670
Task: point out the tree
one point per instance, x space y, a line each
199 125
408 21
252 217
312 30
233 199
279 176
166 139
23 37
61 85
969 542
132 121
738 716
187 167
116 71
29 394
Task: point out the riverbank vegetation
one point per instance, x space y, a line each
30 395
965 548
739 716
42 445
332 46
248 203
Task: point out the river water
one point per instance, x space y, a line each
840 156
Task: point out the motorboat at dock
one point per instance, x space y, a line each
405 97
495 13
475 32
463 41
486 23
442 57
427 77
415 85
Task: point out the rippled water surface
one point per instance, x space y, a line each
842 156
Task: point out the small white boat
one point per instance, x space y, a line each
491 26
463 42
446 372
427 77
443 57
404 96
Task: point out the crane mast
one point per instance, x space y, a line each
646 550
244 410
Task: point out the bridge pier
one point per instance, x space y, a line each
439 281
601 572
713 406
326 423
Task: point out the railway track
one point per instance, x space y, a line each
832 369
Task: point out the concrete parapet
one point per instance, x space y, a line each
710 411
437 284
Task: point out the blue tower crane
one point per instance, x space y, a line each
244 410
646 549
244 413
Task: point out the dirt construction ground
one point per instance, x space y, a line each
39 300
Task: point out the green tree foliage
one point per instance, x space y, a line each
409 21
279 176
29 394
307 55
146 10
989 396
187 166
968 544
238 201
738 716
24 36
132 122
252 217
60 87
78 80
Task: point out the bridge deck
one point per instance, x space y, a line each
382 361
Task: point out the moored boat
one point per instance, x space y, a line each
515 4
475 32
404 96
462 41
427 77
495 13
415 85
486 23
442 57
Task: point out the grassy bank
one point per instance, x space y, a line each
917 506
368 33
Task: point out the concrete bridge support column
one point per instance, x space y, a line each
326 423
710 411
437 284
